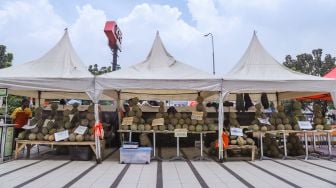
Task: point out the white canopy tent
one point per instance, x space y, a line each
58 74
257 71
160 77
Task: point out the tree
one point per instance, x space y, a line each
311 63
314 65
96 71
5 58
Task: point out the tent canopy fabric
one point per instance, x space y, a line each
258 71
160 76
60 69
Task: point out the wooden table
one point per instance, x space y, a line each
20 144
251 147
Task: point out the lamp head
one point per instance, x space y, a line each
207 34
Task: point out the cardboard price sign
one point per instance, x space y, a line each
305 125
127 121
80 130
61 135
197 115
158 121
236 131
181 132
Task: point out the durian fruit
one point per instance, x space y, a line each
296 127
72 137
155 128
125 127
178 126
288 127
294 145
241 141
141 127
162 127
280 127
161 108
171 127
87 137
327 127
319 127
148 127
213 127
32 136
233 142
22 135
46 137
192 128
205 128
39 136
249 141
134 127
263 129
51 137
199 128
79 138
185 126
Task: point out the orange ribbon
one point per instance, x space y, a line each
225 140
98 130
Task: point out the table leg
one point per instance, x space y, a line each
285 144
154 149
29 146
314 140
130 136
201 157
329 144
178 157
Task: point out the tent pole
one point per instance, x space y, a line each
39 98
277 98
118 113
220 126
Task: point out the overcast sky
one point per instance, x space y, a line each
29 28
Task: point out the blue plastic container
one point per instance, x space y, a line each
140 155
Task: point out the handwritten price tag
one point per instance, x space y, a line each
236 131
264 121
181 132
197 115
127 121
61 135
305 125
158 121
80 130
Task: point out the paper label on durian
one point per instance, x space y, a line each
127 121
80 130
264 121
180 132
305 125
197 115
236 131
158 121
61 135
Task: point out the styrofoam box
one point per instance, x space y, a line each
139 155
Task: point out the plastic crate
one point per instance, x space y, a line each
140 155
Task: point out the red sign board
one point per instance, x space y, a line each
113 34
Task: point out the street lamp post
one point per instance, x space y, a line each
213 52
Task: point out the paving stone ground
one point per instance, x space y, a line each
49 170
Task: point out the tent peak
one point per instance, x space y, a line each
158 55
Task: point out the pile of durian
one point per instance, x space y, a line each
57 122
172 120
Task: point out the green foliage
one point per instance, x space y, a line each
311 63
96 71
5 58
